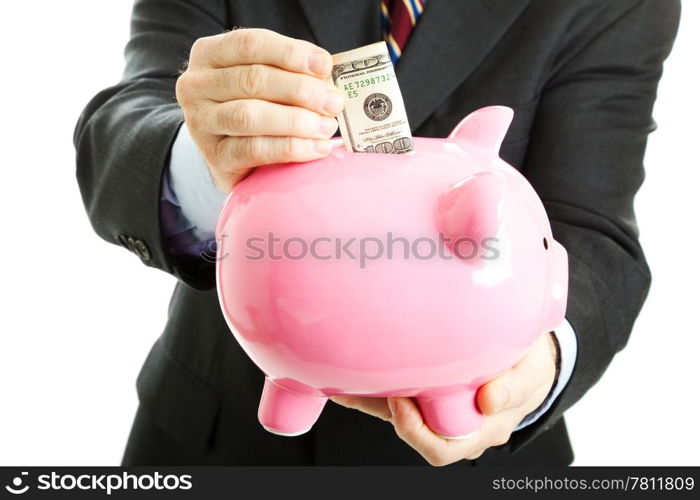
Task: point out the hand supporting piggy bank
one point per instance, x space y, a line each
459 275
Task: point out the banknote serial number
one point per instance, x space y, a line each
352 88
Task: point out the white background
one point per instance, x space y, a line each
78 315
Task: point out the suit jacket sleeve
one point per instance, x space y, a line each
585 161
124 136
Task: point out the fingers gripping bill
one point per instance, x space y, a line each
374 119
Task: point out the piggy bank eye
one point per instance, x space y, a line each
546 245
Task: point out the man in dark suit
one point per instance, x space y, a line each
582 78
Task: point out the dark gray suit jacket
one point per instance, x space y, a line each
582 77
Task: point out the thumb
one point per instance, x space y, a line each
512 389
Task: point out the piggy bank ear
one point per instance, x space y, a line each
470 212
485 127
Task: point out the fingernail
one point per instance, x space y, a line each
319 63
334 102
328 126
500 398
392 405
322 146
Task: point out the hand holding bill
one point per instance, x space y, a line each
253 97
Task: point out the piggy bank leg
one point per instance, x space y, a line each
288 413
453 416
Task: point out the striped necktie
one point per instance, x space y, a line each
399 17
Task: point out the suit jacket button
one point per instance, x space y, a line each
136 246
141 249
125 241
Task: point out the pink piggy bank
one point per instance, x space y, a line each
421 275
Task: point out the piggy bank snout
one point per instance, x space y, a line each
558 286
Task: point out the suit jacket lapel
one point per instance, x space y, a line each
449 42
343 25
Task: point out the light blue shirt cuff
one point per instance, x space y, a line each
192 186
568 346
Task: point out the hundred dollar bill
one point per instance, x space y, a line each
374 119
